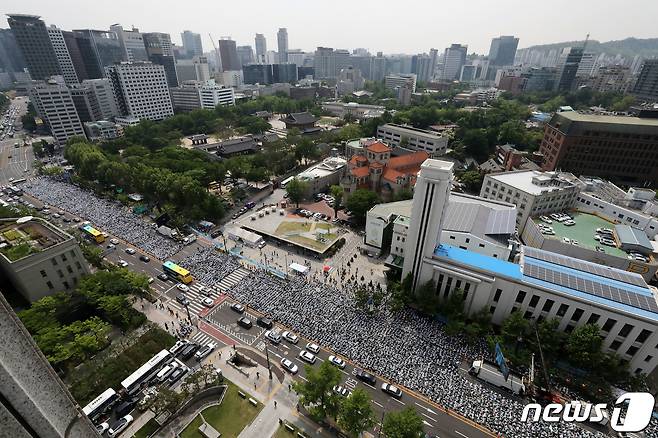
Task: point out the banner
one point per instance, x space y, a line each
500 360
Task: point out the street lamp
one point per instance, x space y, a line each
269 367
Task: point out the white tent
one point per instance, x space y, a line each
301 269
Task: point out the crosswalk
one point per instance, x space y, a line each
232 279
202 338
194 295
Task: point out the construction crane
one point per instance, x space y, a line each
218 59
585 43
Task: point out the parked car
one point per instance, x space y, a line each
265 322
122 263
275 338
182 287
102 428
288 365
177 374
290 337
313 348
392 390
341 390
119 426
208 302
189 351
335 360
237 308
245 322
163 277
365 377
182 298
130 251
205 351
178 347
307 357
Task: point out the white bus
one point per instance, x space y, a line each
285 182
146 371
98 405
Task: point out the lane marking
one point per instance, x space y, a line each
459 433
401 402
378 404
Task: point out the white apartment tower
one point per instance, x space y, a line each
261 48
454 58
107 101
429 204
282 40
141 89
54 104
62 55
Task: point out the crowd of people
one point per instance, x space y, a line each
108 216
405 347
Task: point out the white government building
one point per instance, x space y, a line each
538 283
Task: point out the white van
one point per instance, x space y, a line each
166 372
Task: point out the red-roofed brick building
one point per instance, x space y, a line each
373 168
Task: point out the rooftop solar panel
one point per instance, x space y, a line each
586 285
580 265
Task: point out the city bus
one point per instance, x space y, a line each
146 371
173 270
93 233
100 404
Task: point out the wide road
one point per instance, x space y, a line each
15 162
219 324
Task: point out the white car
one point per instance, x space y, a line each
288 365
130 251
274 337
205 351
122 263
102 428
208 302
114 241
340 363
392 390
119 426
546 219
566 240
341 390
307 357
181 287
290 337
313 348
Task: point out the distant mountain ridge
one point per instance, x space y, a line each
629 47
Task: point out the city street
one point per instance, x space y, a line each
15 161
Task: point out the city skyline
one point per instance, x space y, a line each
431 29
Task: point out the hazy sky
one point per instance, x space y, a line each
378 25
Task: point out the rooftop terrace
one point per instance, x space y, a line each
18 239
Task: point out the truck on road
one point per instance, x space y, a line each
490 373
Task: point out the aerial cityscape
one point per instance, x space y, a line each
203 236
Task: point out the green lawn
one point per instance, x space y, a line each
229 418
147 429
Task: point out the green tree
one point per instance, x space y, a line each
552 340
316 392
355 414
584 346
403 424
296 190
472 180
337 192
477 143
166 400
360 202
427 299
515 326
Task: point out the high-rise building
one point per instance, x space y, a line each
567 69
258 74
11 58
79 63
160 51
261 48
393 81
228 55
32 37
623 149
378 70
104 96
193 95
434 56
454 58
62 54
195 69
348 81
282 40
587 66
646 86
421 67
132 43
35 402
141 90
245 55
192 43
503 51
54 104
324 62
98 49
284 73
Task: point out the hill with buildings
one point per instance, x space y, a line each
629 47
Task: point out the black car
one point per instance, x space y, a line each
163 277
146 259
181 298
265 322
189 351
125 407
365 377
245 322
